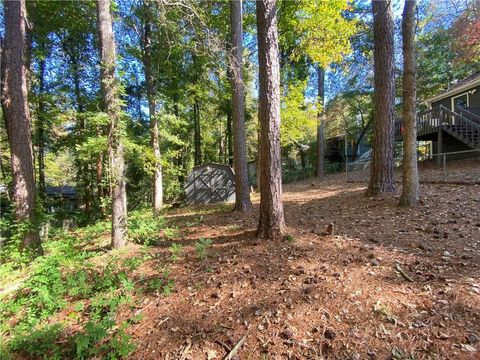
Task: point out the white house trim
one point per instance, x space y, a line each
460 95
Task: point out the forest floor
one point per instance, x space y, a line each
389 283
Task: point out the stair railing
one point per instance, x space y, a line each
467 129
470 115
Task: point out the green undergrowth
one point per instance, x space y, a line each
72 302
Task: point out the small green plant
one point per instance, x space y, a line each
40 343
168 287
121 344
155 284
175 251
163 285
144 227
134 262
290 238
201 247
170 233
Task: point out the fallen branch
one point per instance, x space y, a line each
225 346
399 269
237 347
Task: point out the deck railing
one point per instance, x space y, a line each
456 123
471 113
460 126
428 121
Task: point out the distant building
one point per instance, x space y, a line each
64 197
210 184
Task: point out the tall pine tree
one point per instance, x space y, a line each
242 195
272 222
111 102
411 187
17 119
381 172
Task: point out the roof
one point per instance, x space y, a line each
61 191
461 86
213 165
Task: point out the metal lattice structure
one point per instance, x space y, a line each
210 184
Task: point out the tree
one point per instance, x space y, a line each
111 102
272 222
411 187
321 120
351 114
242 193
17 118
381 171
466 31
318 32
157 181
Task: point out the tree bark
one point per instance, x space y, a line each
381 172
411 187
99 178
111 101
242 193
157 179
321 122
197 134
272 223
83 173
229 151
18 125
41 131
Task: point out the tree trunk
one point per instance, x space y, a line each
83 172
321 122
17 119
99 178
222 153
197 135
411 187
229 151
242 193
259 160
272 223
381 172
41 131
157 180
110 94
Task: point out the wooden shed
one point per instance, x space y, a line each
210 184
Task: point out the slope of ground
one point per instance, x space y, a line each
384 283
389 283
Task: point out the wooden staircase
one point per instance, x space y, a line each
461 124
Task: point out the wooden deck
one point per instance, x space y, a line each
462 124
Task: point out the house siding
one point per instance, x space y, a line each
474 99
447 102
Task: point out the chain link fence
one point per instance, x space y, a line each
460 167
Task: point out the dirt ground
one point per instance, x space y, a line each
389 283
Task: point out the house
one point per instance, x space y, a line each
335 149
452 121
462 94
61 198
